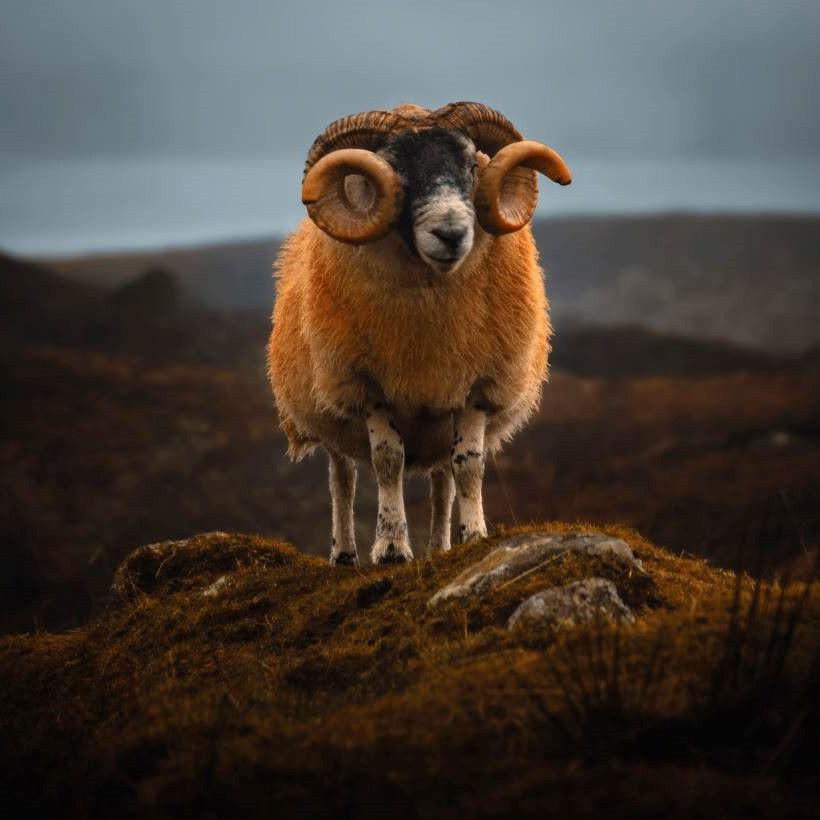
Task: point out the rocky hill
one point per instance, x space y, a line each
549 670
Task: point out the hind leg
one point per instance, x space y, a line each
442 493
468 471
342 494
387 454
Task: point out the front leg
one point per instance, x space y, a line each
442 491
387 454
342 494
468 471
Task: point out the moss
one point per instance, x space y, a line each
295 688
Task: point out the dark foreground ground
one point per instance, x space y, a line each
235 676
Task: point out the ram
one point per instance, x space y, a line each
411 328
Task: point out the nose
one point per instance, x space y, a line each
451 236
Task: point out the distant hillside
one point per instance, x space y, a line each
149 315
39 305
152 315
751 280
233 275
632 350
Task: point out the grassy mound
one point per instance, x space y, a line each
233 675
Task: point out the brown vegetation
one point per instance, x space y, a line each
724 466
235 675
101 454
130 416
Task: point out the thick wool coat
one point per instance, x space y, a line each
352 323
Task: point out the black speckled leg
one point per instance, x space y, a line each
387 453
468 472
442 493
342 494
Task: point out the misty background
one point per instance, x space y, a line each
166 122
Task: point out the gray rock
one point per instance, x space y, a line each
577 603
520 553
203 562
220 585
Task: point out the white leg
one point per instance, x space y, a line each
468 471
387 455
342 493
442 492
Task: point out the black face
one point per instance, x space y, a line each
438 169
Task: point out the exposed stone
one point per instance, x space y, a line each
520 553
199 562
216 587
570 605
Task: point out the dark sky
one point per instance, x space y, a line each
735 78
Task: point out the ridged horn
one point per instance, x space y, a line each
367 130
489 129
330 207
347 146
507 192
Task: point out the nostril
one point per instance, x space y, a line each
450 236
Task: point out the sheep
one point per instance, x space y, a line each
411 328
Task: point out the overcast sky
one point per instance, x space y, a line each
138 123
661 78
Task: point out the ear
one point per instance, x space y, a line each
482 160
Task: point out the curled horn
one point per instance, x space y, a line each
331 208
507 191
347 147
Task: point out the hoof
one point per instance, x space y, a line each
438 546
465 535
391 552
344 559
392 558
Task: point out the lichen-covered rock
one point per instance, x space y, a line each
220 585
199 562
577 603
521 553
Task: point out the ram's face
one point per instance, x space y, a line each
414 171
438 172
